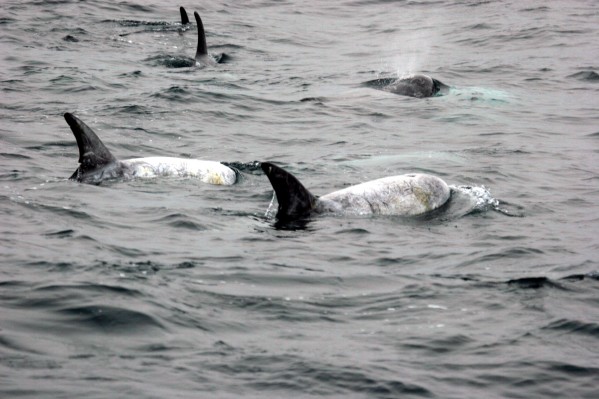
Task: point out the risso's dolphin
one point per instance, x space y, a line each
97 164
419 86
403 195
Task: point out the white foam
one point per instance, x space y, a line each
480 196
270 210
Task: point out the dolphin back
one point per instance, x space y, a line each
295 201
93 154
418 86
401 195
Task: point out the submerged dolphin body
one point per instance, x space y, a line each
419 86
97 164
403 195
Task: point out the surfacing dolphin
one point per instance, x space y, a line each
97 164
403 195
418 86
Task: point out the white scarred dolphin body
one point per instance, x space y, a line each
403 195
97 164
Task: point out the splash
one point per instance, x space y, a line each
489 95
271 211
481 196
471 199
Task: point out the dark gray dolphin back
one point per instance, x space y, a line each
184 18
294 199
414 86
93 154
202 47
418 86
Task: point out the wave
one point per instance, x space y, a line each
572 326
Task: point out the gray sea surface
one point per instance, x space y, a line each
171 288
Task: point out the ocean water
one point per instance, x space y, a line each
170 288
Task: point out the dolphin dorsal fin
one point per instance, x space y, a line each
184 18
294 199
439 86
92 152
202 47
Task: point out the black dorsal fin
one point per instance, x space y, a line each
202 47
294 199
184 18
92 152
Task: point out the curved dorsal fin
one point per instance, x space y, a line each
439 86
202 47
294 199
92 152
184 18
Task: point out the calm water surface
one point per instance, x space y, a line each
169 288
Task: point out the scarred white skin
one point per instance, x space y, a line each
211 172
207 171
404 195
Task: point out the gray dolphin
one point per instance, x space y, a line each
402 195
98 164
